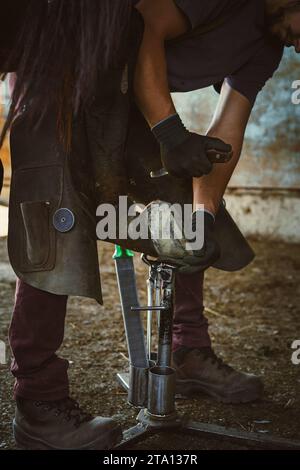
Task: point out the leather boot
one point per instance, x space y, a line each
62 425
200 370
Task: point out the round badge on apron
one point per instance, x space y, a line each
63 220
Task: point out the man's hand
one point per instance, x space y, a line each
210 251
190 158
184 153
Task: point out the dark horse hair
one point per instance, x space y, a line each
62 48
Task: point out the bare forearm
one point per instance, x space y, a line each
209 189
163 21
229 124
151 86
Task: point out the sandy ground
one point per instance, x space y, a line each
254 318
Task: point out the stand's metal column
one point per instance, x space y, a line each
162 378
136 383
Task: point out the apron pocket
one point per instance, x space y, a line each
37 232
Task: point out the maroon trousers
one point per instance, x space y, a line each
37 331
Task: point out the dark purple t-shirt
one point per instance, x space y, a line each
238 50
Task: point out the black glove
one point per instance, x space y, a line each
210 251
1 176
183 153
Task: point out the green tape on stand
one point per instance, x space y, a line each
122 253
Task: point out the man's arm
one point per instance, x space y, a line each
163 21
229 124
183 153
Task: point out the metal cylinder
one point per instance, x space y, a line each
138 386
161 391
149 315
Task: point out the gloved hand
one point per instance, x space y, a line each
183 153
1 176
202 259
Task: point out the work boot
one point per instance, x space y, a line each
62 425
200 370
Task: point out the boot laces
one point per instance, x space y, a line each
209 353
69 408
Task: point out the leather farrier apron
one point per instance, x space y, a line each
52 217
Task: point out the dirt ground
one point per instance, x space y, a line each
254 318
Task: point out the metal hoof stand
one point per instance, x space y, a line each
151 381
